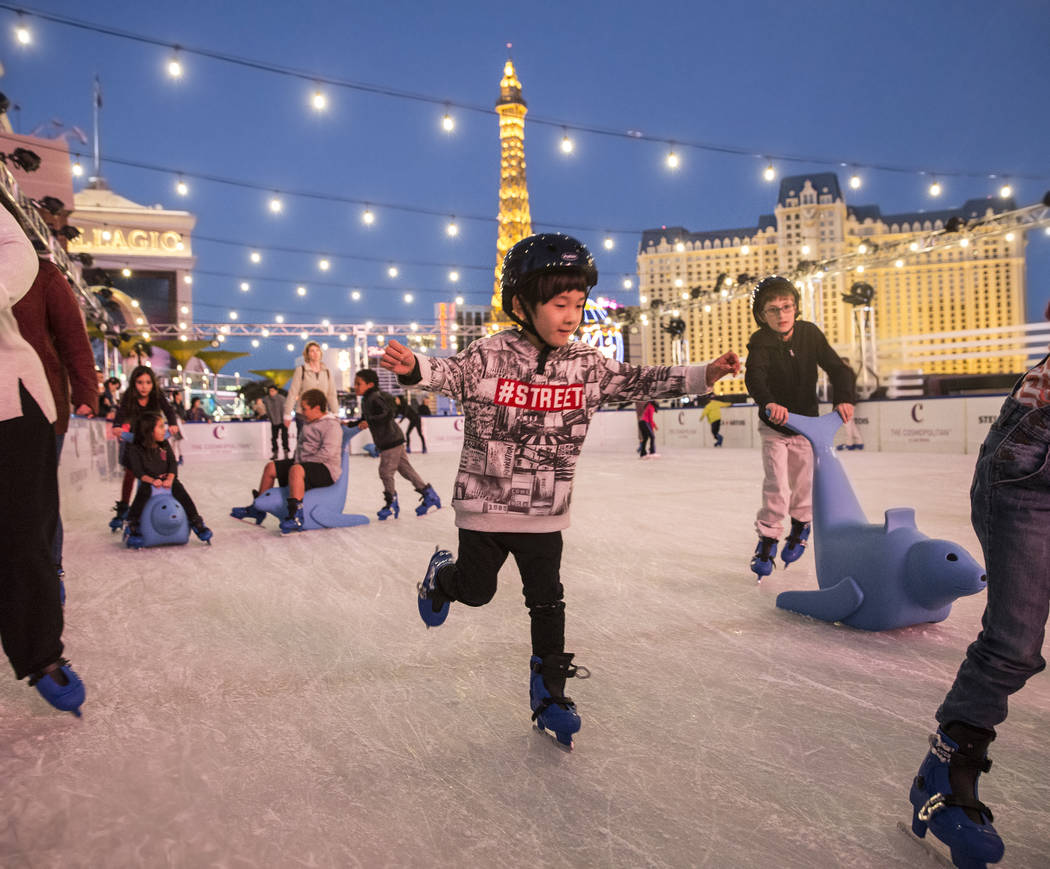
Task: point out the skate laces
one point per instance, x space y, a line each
50 671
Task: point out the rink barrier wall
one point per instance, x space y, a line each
934 425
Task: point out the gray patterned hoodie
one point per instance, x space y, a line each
526 414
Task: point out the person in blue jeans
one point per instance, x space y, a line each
1010 511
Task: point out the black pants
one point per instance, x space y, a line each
276 428
645 433
178 492
472 580
715 427
408 434
30 610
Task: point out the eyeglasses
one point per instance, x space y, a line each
774 310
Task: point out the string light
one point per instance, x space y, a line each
805 250
367 217
324 265
672 160
255 256
679 246
300 290
291 348
854 181
1009 236
355 295
899 263
245 286
126 272
567 144
304 335
609 244
279 318
392 271
408 298
266 333
770 173
106 235
627 283
369 325
175 66
935 188
447 123
185 309
453 228
187 279
1006 191
319 101
23 35
255 342
233 315
134 302
459 300
453 276
78 168
275 205
745 249
342 336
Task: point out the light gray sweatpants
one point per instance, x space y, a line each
787 490
394 460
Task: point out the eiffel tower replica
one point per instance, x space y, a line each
515 222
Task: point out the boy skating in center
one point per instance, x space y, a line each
528 396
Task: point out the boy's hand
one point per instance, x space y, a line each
398 358
363 424
845 411
174 429
777 413
727 363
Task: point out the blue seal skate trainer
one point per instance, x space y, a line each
388 509
554 713
763 561
795 543
49 682
431 617
133 538
293 523
249 512
973 844
428 498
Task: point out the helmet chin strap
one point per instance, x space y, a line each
528 326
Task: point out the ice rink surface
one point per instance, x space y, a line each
276 702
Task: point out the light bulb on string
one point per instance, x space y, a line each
392 271
233 315
453 276
745 249
255 256
126 272
854 181
672 160
276 205
1006 191
935 188
324 265
567 144
447 123
459 300
627 283
78 168
608 243
255 342
279 318
23 35
452 228
175 66
182 188
355 295
408 298
291 348
769 173
300 291
318 101
368 217
245 286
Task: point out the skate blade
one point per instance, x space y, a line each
931 845
550 734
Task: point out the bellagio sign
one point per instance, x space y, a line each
149 241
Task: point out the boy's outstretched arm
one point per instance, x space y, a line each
398 358
727 363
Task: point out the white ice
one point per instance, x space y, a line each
275 701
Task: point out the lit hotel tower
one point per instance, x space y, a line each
514 220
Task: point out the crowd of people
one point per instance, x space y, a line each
528 395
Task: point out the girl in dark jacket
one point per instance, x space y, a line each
152 462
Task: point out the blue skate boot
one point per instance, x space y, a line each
430 594
132 536
428 498
944 796
249 512
763 561
121 511
389 508
554 713
60 686
294 522
795 544
203 532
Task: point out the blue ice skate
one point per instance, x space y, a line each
133 538
972 844
390 508
795 544
249 512
293 523
554 713
764 559
203 532
68 697
431 617
120 514
428 498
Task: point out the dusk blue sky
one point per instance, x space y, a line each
940 86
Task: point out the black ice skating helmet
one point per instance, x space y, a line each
546 253
771 288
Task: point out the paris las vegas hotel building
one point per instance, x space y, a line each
978 286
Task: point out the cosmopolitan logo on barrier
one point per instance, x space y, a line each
513 393
458 424
219 432
916 412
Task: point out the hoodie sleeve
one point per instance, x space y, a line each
293 391
756 374
620 381
446 376
843 380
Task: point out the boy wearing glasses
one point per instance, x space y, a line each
781 376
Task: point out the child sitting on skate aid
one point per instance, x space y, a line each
151 460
